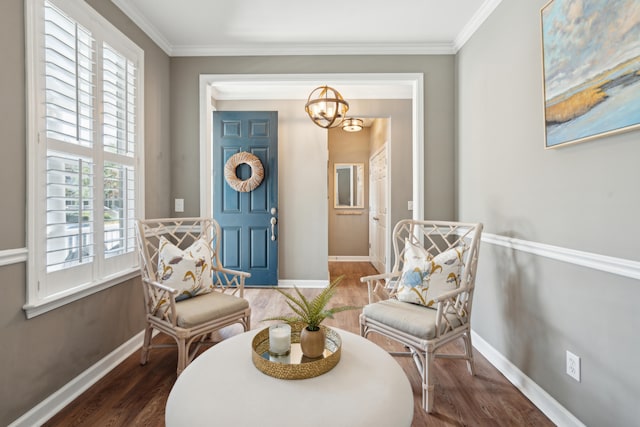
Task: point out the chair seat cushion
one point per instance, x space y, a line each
203 308
412 319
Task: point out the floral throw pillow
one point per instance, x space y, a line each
440 275
188 271
415 269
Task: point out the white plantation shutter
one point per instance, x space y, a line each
119 124
69 71
85 172
69 107
69 216
119 118
119 215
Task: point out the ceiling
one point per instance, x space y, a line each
296 27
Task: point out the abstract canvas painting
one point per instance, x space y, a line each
591 66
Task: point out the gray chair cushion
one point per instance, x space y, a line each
203 308
412 319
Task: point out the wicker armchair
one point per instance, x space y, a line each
191 321
424 327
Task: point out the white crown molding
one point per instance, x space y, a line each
55 402
283 49
474 23
557 413
619 266
13 256
141 21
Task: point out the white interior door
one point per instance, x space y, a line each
378 177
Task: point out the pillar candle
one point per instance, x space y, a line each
279 339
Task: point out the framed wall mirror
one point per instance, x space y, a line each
348 185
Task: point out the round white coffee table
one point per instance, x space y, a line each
222 387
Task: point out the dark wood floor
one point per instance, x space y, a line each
134 395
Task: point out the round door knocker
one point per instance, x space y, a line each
249 184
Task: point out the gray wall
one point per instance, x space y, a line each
584 197
348 231
42 354
438 127
12 125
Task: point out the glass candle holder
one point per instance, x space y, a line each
279 339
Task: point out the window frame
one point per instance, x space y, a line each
100 273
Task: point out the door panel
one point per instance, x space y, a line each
260 245
230 247
378 209
245 217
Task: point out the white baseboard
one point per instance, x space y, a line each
339 258
302 283
557 413
74 388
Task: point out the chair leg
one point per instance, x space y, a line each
146 343
182 355
428 383
469 353
247 323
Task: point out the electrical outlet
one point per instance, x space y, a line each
573 366
179 205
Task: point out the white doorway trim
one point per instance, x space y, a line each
412 81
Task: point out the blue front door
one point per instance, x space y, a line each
248 219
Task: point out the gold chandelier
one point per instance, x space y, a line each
326 107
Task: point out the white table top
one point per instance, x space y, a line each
222 387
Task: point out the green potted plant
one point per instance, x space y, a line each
311 313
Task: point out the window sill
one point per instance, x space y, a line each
40 307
